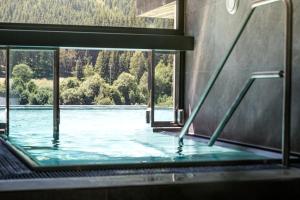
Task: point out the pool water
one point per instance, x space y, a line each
106 136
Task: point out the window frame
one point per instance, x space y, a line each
53 37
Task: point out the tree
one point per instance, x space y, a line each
91 88
163 80
78 71
127 86
43 96
22 72
138 65
101 65
124 62
88 70
143 88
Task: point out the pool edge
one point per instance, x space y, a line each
33 165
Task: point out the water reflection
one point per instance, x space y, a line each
55 144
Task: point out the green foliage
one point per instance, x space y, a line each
43 96
143 88
138 65
78 12
72 96
24 97
70 82
88 70
2 89
78 71
163 79
104 101
22 72
90 88
165 101
18 86
32 87
127 86
99 77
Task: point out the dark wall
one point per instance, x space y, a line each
258 119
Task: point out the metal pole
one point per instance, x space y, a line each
212 80
152 86
287 84
230 112
56 115
7 91
238 100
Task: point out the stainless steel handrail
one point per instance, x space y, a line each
286 121
238 100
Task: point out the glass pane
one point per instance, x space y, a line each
117 13
31 96
103 92
2 86
163 87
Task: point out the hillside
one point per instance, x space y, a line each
78 12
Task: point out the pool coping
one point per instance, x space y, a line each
271 158
147 179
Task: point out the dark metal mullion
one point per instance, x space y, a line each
180 16
95 40
181 80
152 92
96 29
7 105
56 111
175 86
287 85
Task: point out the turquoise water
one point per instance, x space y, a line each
105 136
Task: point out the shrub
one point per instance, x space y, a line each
90 88
72 96
2 89
88 71
165 101
103 101
70 82
23 72
127 86
31 87
18 85
163 79
23 97
43 96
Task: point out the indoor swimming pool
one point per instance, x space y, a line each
107 136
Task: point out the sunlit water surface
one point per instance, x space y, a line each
105 136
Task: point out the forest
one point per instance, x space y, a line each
118 13
87 76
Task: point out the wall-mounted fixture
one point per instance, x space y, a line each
232 6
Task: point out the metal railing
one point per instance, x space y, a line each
286 121
238 100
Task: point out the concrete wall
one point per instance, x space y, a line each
258 119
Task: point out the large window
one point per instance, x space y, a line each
116 13
92 83
85 77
